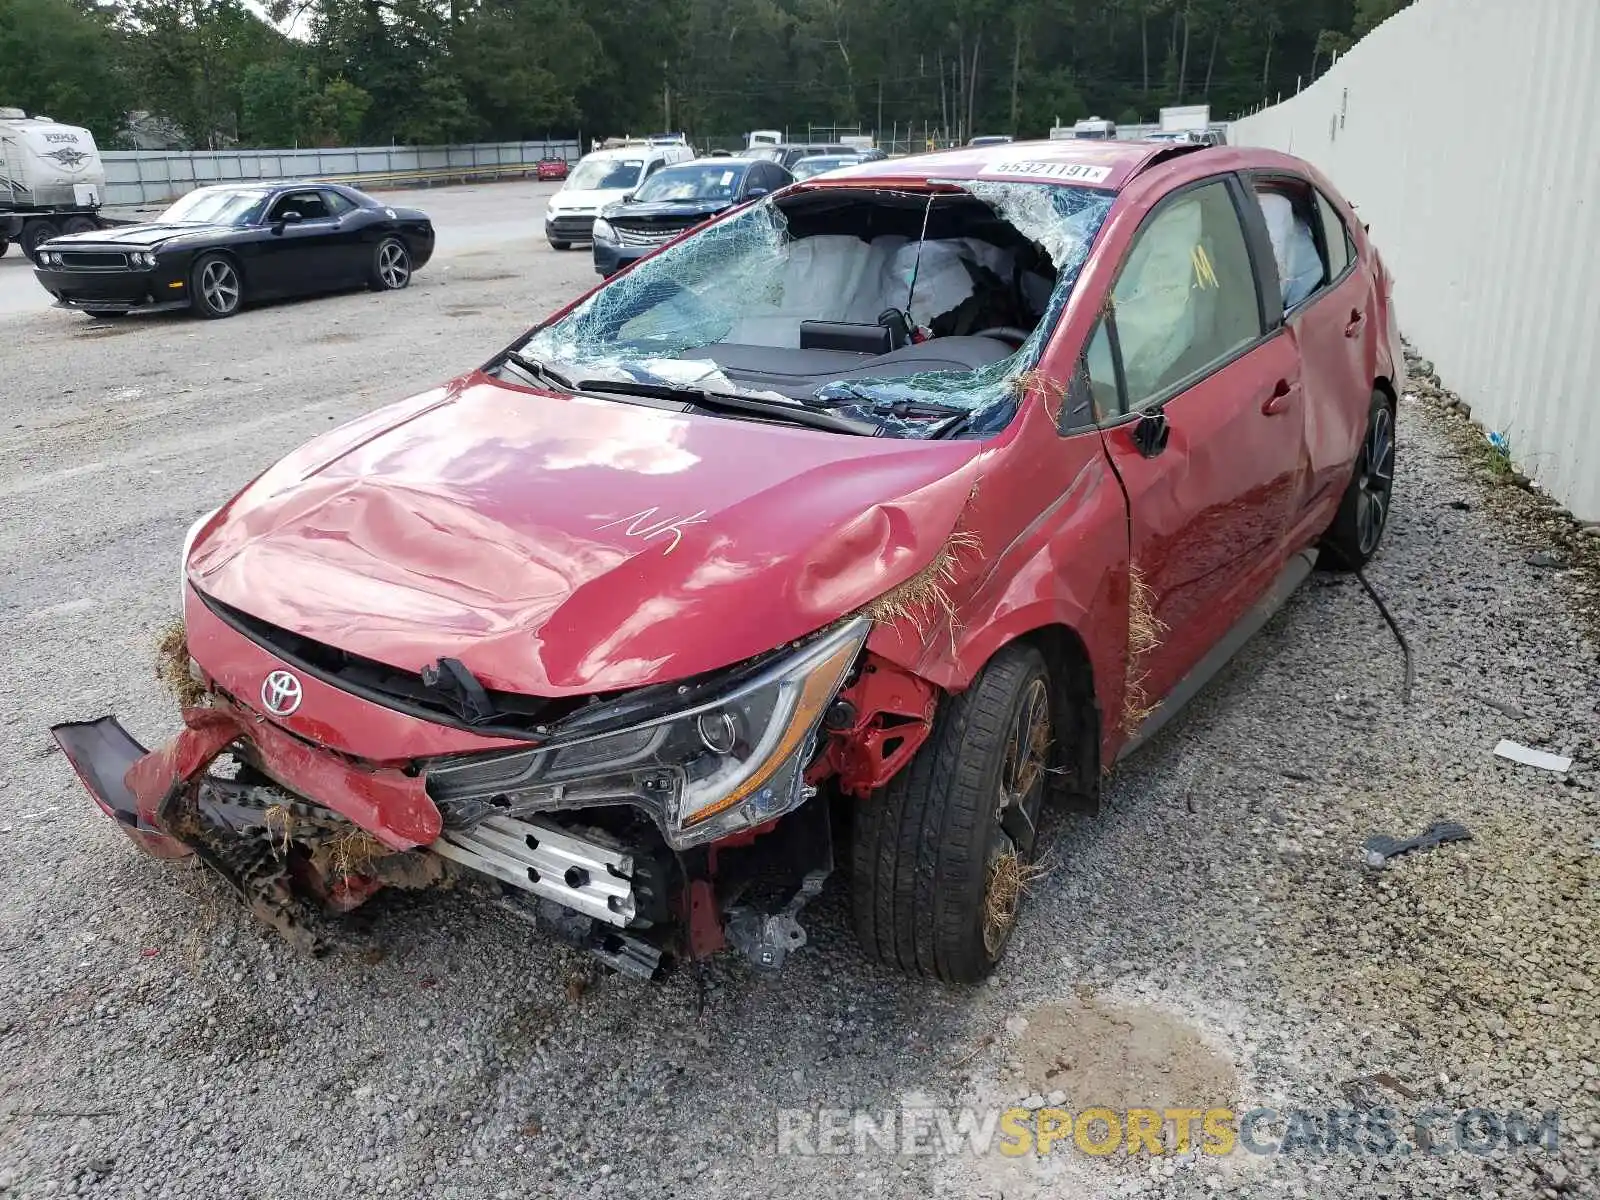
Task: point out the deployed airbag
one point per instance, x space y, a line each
1299 264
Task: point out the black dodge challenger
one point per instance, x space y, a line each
220 247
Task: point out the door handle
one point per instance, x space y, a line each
1357 320
1278 401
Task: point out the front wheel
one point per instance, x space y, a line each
391 266
215 289
555 245
5 244
1363 514
941 856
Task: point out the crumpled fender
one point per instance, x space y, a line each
1066 566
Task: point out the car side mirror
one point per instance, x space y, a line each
288 218
627 197
1150 433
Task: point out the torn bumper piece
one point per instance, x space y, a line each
102 753
170 804
139 789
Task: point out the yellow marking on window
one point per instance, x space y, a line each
1205 276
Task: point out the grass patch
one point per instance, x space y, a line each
172 667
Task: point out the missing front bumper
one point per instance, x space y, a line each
290 859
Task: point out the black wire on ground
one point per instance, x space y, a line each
1405 646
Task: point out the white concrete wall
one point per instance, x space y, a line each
1467 133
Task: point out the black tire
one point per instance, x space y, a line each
1357 529
5 244
34 235
216 289
79 225
555 245
390 269
925 848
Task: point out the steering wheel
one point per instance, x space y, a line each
1005 333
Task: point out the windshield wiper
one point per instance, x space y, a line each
903 409
539 371
732 402
885 406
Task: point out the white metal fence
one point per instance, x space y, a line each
1463 131
153 176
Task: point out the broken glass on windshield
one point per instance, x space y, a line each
899 306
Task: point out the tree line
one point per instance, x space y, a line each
340 72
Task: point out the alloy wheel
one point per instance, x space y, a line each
394 268
1376 482
219 284
1016 815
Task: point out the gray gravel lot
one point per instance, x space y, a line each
1210 938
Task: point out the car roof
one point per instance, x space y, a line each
638 151
722 164
1098 164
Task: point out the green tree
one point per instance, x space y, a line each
1372 13
271 96
334 115
64 60
190 58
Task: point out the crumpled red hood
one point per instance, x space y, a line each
561 545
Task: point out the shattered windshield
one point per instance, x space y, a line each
904 308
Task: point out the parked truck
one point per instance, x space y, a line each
51 180
1186 118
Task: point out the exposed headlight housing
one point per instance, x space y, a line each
603 231
728 764
143 258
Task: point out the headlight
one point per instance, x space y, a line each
188 545
704 772
143 258
603 231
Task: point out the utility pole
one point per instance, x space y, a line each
666 100
877 130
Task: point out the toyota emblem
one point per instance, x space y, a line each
281 693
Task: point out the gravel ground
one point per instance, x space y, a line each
1212 937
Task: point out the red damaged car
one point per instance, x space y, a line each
844 531
551 168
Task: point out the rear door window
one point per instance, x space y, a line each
1292 222
1185 301
1336 236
